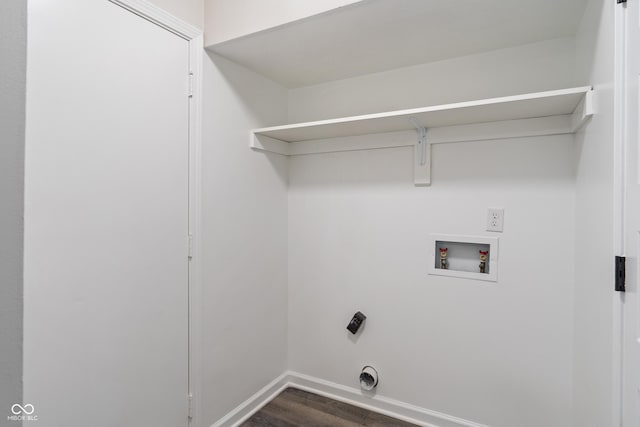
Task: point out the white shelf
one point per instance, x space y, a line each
553 112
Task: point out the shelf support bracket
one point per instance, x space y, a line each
271 145
583 112
422 156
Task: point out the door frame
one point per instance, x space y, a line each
194 37
619 237
620 206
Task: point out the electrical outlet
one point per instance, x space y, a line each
495 219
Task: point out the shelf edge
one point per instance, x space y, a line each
443 107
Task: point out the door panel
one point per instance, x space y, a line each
106 267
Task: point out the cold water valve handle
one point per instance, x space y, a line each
356 322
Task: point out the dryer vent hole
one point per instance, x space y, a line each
368 378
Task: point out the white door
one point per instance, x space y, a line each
631 299
106 262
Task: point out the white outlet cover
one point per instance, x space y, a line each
495 219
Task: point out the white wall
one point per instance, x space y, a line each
190 11
13 51
593 338
499 354
244 239
530 68
228 19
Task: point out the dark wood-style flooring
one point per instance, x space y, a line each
295 408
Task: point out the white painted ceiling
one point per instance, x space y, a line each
379 35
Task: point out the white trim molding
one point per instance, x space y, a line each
195 231
352 396
619 209
160 17
193 35
246 409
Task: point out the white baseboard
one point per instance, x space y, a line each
253 404
380 404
